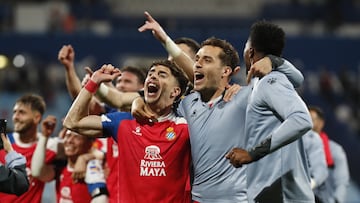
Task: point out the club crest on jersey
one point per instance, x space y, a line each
271 81
170 133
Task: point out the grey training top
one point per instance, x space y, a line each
314 150
276 112
337 183
214 131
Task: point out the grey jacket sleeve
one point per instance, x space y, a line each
341 176
277 93
293 74
13 177
287 105
314 150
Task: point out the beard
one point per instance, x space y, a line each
22 127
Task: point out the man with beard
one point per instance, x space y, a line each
27 115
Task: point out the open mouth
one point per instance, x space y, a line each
152 89
198 76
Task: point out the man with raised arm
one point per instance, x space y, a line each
155 157
216 126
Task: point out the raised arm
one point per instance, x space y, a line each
180 57
39 169
77 119
66 57
114 97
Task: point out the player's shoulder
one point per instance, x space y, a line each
273 80
194 95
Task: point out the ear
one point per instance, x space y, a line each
251 55
227 71
251 52
236 70
37 117
176 92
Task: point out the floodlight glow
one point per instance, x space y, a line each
19 61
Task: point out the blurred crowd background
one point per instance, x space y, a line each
322 41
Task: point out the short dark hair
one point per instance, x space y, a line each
229 56
176 72
36 102
194 45
267 38
318 111
140 73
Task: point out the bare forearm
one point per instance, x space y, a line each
78 120
186 63
73 83
38 160
78 109
114 98
39 169
180 57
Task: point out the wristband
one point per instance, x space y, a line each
91 86
172 48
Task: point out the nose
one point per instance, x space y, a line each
153 76
120 86
197 64
15 116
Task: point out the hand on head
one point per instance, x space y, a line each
259 69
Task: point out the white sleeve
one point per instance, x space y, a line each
38 159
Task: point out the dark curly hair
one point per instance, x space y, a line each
267 38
